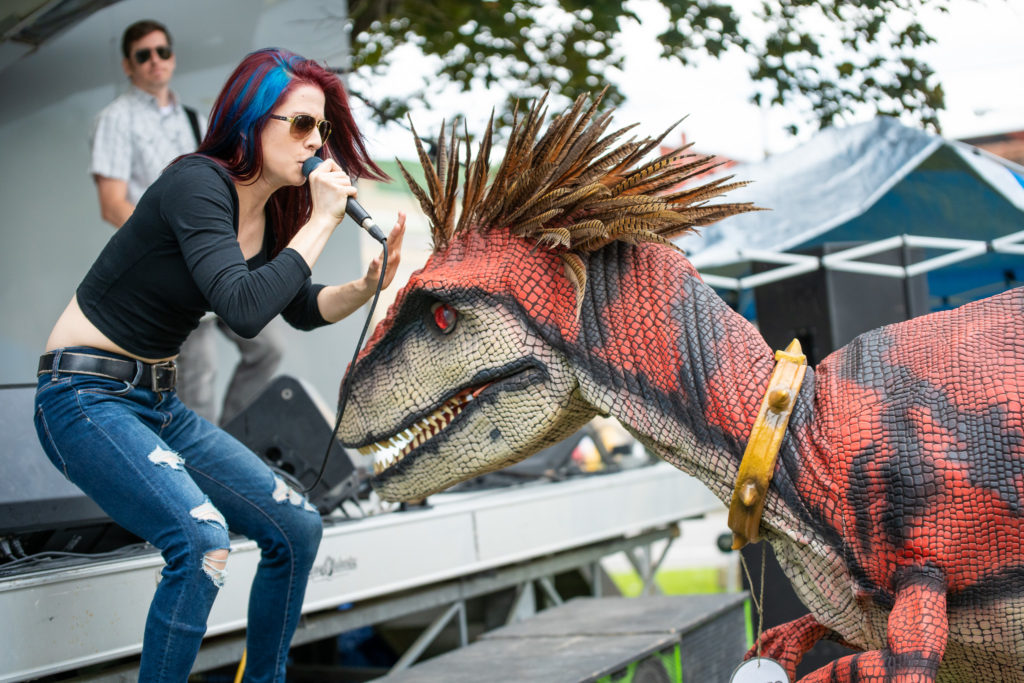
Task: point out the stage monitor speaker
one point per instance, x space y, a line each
39 507
826 309
289 427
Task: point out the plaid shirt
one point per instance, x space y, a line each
134 140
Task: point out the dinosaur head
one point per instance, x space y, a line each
471 369
465 374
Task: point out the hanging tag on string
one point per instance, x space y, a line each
759 670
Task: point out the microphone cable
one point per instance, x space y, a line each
343 398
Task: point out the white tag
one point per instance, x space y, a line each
759 670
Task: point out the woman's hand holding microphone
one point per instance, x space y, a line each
329 188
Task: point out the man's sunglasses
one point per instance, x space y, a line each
303 125
143 54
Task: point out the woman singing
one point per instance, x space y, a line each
234 228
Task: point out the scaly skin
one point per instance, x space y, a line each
896 505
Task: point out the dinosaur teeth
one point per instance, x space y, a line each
379 467
390 450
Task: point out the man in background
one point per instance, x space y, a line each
135 137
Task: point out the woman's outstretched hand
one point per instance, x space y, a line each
339 301
394 257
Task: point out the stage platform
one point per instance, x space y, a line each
367 570
586 640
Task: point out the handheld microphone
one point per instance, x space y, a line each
352 207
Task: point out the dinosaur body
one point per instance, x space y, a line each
895 508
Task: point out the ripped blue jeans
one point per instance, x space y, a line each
174 479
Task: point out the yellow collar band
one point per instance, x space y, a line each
758 463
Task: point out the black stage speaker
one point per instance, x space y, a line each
826 309
288 426
40 509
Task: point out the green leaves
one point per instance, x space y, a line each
826 58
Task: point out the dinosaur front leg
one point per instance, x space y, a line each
788 643
916 638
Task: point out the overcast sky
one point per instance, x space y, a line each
978 57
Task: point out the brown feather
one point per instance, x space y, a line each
576 272
573 188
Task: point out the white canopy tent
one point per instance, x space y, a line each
885 185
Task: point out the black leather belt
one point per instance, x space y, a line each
155 376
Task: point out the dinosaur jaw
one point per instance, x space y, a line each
433 430
497 421
392 450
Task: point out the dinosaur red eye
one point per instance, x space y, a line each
444 316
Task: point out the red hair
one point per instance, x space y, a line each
242 109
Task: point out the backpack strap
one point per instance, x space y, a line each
193 121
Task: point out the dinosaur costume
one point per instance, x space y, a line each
897 502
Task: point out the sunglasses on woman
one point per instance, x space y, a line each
143 54
303 125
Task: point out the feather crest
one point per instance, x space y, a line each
572 188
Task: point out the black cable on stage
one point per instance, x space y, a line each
343 398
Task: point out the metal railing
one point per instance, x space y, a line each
847 260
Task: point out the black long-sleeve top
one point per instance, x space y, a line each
178 257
